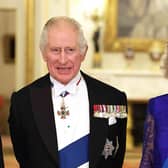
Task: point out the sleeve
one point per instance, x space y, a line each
1 155
148 142
16 131
117 136
122 137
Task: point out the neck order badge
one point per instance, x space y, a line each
63 112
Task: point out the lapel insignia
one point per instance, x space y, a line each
117 146
107 111
112 120
108 149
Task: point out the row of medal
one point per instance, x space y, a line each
107 111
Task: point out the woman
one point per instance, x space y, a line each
155 147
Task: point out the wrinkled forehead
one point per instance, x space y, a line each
63 25
63 33
63 30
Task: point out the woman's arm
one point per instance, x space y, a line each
147 155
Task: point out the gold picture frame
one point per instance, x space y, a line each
113 42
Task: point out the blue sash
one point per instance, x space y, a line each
75 154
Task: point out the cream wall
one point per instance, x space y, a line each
6 68
141 77
12 75
114 65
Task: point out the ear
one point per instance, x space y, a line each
44 58
84 53
44 55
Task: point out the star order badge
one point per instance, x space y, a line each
63 112
108 149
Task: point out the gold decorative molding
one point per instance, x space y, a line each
112 41
30 30
129 142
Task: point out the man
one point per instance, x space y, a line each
67 119
1 155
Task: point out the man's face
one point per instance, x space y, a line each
62 53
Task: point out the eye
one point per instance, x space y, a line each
70 50
56 50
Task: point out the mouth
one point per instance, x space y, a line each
63 70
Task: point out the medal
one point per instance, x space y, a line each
63 112
108 149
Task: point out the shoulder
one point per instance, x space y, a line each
160 98
40 82
101 87
158 104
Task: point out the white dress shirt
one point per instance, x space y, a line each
76 124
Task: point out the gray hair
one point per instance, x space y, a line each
56 20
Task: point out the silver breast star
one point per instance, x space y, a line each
108 149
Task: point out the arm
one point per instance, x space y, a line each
16 131
1 155
122 132
119 158
117 135
147 155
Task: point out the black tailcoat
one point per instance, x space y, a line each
1 155
33 129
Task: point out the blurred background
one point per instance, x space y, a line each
127 49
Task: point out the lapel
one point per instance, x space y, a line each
44 116
98 126
42 108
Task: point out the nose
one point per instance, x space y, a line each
62 57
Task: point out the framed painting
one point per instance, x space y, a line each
134 24
9 48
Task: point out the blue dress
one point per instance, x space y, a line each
155 146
